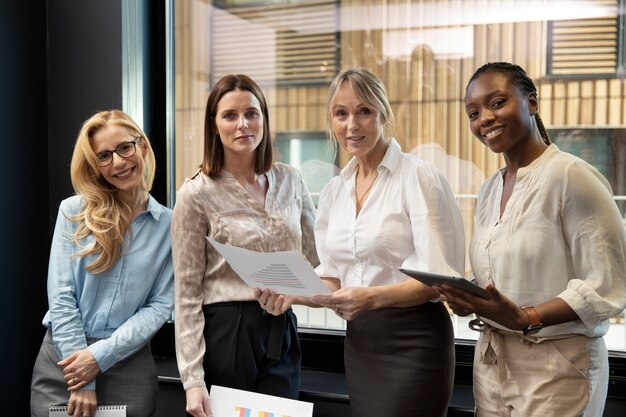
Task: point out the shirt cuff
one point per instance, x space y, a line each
91 386
194 383
581 307
100 352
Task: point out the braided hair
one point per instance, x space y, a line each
518 77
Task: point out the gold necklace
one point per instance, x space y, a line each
359 201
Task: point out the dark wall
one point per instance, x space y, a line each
60 62
84 75
24 201
155 86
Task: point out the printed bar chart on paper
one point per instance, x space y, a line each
284 272
277 274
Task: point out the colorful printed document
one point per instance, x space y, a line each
284 272
229 402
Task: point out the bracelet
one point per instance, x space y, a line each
534 321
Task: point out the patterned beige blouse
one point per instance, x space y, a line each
223 210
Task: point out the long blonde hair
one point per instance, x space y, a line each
104 215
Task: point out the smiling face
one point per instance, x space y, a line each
239 123
125 174
500 113
356 125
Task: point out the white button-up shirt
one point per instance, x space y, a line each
410 219
561 235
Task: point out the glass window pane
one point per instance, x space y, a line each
425 51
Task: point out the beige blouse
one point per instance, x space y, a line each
561 235
223 210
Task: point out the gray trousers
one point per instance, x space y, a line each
132 382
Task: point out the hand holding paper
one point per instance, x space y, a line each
272 302
283 272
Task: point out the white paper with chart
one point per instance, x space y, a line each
284 272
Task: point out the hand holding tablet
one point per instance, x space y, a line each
431 279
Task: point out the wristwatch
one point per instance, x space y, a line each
534 320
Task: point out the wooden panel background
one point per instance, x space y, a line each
425 90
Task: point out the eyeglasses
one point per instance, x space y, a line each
124 149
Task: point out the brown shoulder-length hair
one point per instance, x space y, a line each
213 159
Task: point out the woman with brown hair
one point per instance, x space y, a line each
240 197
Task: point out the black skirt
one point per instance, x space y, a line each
400 362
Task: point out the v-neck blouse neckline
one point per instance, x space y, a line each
249 197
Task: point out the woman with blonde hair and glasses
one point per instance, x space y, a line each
110 277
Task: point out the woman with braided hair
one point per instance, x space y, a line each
549 246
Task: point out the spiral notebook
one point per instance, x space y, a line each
101 411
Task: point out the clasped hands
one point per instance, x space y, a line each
79 369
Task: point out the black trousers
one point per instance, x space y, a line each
400 362
249 349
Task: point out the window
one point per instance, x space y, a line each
587 46
288 41
425 51
312 153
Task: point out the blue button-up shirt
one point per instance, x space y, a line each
123 306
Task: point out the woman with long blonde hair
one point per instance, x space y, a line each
110 277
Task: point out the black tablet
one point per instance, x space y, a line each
430 279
